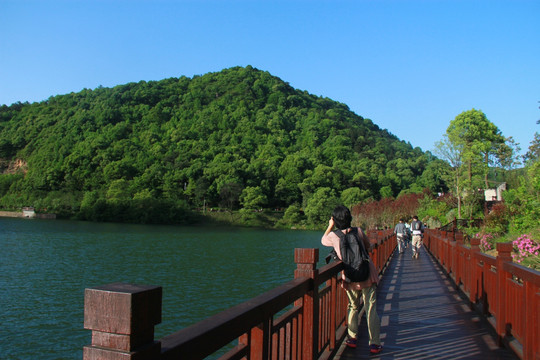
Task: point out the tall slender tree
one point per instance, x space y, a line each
481 140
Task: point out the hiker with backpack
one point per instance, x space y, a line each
359 278
417 229
401 233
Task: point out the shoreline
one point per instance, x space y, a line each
20 214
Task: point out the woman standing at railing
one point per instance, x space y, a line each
341 218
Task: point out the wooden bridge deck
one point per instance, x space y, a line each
423 316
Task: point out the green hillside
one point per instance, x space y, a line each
151 151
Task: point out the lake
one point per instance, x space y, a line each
45 265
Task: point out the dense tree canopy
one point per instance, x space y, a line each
239 137
478 139
473 146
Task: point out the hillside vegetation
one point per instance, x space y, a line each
240 138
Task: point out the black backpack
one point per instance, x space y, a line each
354 255
416 225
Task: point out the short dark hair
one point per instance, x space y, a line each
342 217
415 217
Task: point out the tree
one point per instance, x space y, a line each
479 139
293 216
507 154
252 197
524 202
386 192
452 153
534 150
432 177
353 196
320 205
229 194
471 140
119 190
321 176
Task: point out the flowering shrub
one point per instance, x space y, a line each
486 241
497 219
525 247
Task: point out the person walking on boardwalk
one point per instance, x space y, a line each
401 233
417 229
365 290
408 234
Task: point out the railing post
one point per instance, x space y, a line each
374 255
333 315
427 240
475 279
122 319
504 251
442 248
306 260
459 260
531 343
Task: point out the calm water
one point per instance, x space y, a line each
45 265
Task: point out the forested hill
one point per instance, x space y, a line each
237 138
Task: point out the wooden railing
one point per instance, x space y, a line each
302 319
507 294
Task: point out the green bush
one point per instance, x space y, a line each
293 217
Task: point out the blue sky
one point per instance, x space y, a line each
411 66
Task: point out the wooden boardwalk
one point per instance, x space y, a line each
423 316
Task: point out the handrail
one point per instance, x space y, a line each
456 224
505 293
192 342
304 318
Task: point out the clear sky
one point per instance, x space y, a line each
411 66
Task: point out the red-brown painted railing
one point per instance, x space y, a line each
507 294
302 319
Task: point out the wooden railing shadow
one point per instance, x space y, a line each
302 319
505 293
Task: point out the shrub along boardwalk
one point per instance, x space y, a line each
423 316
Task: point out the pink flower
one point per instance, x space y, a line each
526 247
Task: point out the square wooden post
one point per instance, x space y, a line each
122 319
474 271
504 251
306 260
459 260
